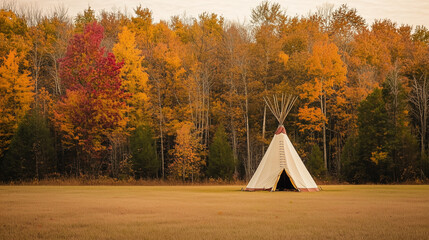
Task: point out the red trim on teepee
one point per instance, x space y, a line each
309 189
257 189
281 129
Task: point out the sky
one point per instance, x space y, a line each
411 12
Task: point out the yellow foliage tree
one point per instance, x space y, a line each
134 76
13 34
16 95
187 162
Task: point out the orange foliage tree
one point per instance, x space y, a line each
324 94
16 95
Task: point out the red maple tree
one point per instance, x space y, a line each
93 107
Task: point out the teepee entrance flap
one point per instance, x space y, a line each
284 183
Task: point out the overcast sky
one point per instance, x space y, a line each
412 12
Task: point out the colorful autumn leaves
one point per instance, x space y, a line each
93 107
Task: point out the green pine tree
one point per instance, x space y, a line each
402 146
144 155
31 153
384 149
373 128
315 161
221 159
350 158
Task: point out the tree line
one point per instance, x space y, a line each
122 96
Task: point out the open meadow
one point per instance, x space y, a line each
213 212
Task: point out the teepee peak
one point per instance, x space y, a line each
280 107
281 129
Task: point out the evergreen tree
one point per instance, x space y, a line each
384 150
143 150
221 159
373 131
402 145
31 153
315 161
350 158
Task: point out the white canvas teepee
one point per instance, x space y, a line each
281 168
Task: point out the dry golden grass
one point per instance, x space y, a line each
213 212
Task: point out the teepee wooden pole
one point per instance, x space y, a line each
270 106
282 109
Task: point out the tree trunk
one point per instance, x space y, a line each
162 147
249 166
75 163
35 152
339 148
57 80
234 149
425 101
263 129
325 152
161 117
325 155
207 128
231 119
420 100
322 98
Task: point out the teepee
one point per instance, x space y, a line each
281 168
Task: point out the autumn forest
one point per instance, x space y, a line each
116 95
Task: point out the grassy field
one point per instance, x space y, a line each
213 212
